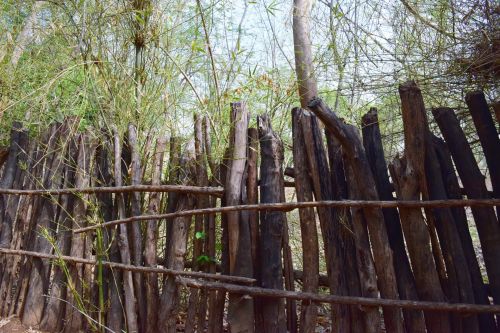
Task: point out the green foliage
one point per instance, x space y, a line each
200 235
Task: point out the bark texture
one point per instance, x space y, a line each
271 225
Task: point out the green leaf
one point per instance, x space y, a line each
272 8
203 259
200 235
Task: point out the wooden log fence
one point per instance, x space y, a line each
96 236
228 284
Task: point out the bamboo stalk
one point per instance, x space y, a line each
288 206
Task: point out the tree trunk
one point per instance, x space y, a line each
26 35
271 225
303 54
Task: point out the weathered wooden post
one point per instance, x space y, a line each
475 188
16 282
11 225
151 239
123 244
309 233
408 174
197 298
488 136
169 300
44 217
55 307
346 236
135 235
321 185
372 142
486 321
9 171
355 156
271 225
240 312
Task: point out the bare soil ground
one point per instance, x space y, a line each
14 325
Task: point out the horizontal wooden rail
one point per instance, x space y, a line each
215 191
288 206
132 268
263 292
334 299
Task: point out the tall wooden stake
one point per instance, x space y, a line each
271 225
240 312
488 136
309 233
475 188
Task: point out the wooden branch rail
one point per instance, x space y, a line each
288 206
132 268
215 191
334 299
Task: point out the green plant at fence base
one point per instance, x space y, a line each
79 303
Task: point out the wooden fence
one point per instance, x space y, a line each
92 239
